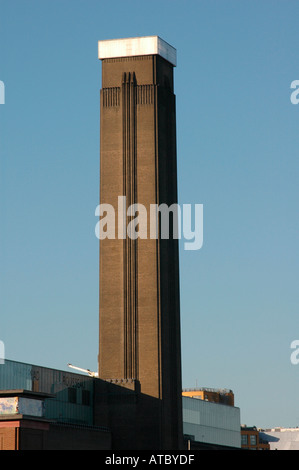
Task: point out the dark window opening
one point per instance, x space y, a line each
72 392
86 397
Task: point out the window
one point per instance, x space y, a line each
244 440
86 397
72 394
253 440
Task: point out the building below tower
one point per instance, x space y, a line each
49 409
215 395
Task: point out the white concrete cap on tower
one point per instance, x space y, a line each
129 47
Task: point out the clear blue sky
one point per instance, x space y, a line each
238 145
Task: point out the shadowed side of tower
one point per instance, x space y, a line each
139 347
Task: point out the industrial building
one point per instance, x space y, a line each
210 418
135 402
48 409
281 438
215 395
211 425
252 439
